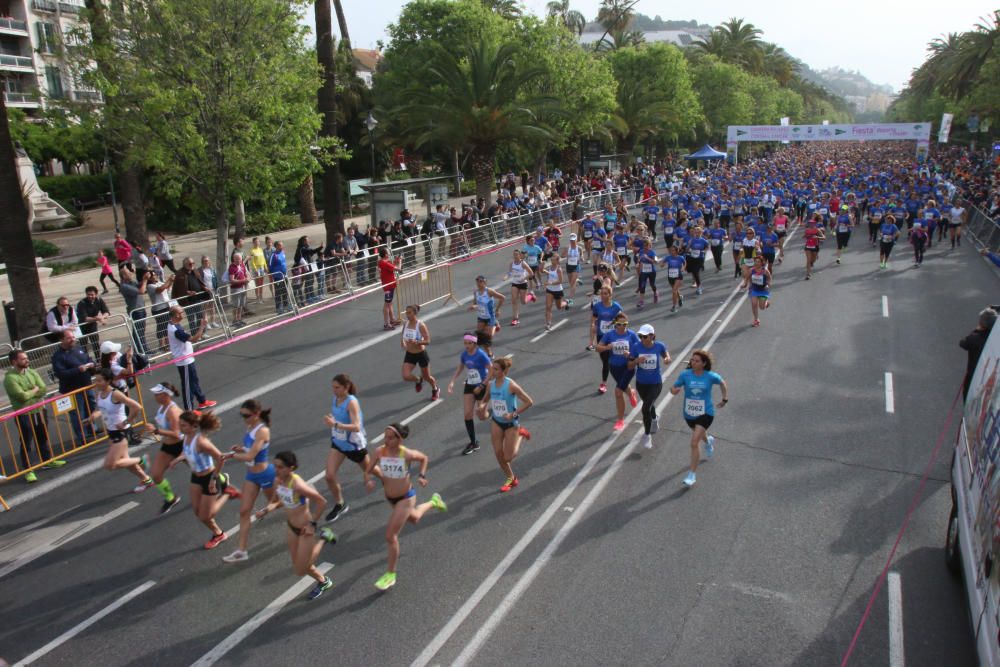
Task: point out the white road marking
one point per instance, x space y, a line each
555 506
885 306
890 401
49 538
245 629
897 657
548 331
77 629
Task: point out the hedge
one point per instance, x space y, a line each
64 189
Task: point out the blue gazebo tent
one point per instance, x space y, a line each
706 152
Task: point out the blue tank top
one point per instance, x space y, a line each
341 415
199 461
484 305
502 401
248 438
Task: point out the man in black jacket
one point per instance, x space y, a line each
92 311
974 344
73 368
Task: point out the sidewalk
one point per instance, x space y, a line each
98 232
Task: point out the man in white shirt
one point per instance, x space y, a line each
182 350
62 317
957 218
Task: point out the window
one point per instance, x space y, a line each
47 37
53 81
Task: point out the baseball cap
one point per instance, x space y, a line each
160 389
646 330
109 347
572 237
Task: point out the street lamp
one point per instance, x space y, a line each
370 123
111 186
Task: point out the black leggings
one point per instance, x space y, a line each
648 393
918 250
105 276
717 256
605 367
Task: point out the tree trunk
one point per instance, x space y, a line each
307 203
135 212
221 237
414 164
458 174
342 22
539 167
482 168
241 222
569 158
333 211
15 238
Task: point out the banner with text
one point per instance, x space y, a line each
945 130
866 132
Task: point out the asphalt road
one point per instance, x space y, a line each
600 556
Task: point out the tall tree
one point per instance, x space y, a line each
326 54
615 16
572 19
15 237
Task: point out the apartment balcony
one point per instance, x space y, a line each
10 26
21 100
14 63
68 6
92 96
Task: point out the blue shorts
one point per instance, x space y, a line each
760 294
623 376
263 479
389 294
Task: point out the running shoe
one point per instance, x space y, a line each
591 348
656 297
419 386
54 464
633 398
437 503
514 322
509 484
386 327
318 589
807 276
237 556
690 479
569 302
710 447
143 485
647 441
673 309
638 306
338 509
435 393
31 478
228 488
143 461
698 291
215 541
169 505
620 425
680 301
602 389
524 433
471 447
838 260
548 327
654 426
756 323
207 404
386 581
327 535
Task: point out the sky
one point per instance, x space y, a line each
883 40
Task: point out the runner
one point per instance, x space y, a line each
781 224
645 359
769 245
507 401
760 288
645 263
717 237
347 439
812 235
585 228
414 341
573 256
391 464
598 244
602 316
487 302
260 471
294 494
956 218
388 270
519 275
749 248
111 404
697 381
210 488
888 233
918 239
697 248
166 427
618 341
554 295
675 264
931 216
476 364
532 257
737 239
844 225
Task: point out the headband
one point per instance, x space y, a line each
469 338
395 430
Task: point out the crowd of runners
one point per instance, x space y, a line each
689 228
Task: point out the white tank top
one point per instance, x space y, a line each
517 273
161 417
413 334
552 285
113 413
572 256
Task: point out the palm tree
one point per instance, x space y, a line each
508 9
476 103
962 67
778 64
737 43
572 19
614 16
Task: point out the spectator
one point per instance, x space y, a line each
25 387
60 318
187 290
162 249
209 280
123 251
335 254
238 281
157 290
135 305
305 265
140 261
73 368
182 350
257 267
237 247
91 311
388 270
440 228
106 272
278 268
974 343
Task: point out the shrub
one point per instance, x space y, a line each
64 189
268 222
44 248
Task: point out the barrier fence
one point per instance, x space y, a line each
985 230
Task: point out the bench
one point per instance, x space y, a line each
84 204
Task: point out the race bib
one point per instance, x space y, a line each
673 272
695 253
887 238
605 327
843 228
822 211
647 362
620 347
499 407
587 234
758 279
694 407
338 433
668 230
716 242
482 312
532 260
393 467
646 268
622 251
472 376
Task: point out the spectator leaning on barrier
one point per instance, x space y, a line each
91 311
74 368
60 318
278 267
25 387
209 280
187 290
238 281
135 305
974 343
387 270
182 349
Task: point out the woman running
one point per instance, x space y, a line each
675 264
602 317
391 464
697 248
260 471
507 401
487 302
760 289
533 258
554 295
294 493
598 245
574 257
888 233
519 275
918 239
781 224
645 359
165 426
737 238
210 488
111 404
812 236
749 248
646 261
476 364
618 342
347 439
697 381
717 237
416 337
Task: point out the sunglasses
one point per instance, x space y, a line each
246 415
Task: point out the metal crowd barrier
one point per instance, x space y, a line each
984 229
149 329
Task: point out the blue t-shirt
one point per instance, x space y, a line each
647 261
532 253
716 237
605 315
888 232
697 247
620 345
647 370
769 240
477 366
698 392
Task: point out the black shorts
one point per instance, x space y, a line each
842 239
505 426
695 264
547 255
417 358
558 296
474 389
482 321
782 235
813 250
356 455
885 248
203 481
115 436
675 280
521 286
704 421
572 268
173 450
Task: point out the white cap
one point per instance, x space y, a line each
572 237
108 347
160 389
646 330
